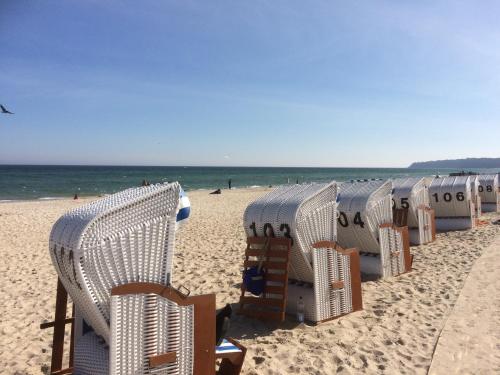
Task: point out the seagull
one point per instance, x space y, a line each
5 110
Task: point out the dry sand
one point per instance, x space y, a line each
396 333
470 340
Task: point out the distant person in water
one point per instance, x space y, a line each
145 183
229 183
297 181
75 197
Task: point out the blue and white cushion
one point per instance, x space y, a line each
183 209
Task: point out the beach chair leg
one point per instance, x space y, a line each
59 325
72 341
58 338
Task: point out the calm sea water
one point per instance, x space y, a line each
45 182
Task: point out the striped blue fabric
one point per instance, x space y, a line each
227 347
184 209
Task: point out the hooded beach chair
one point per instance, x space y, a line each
365 221
114 258
412 194
489 192
451 199
292 234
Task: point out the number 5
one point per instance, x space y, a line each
404 203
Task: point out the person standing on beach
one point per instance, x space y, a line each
229 183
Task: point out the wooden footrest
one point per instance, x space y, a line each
273 256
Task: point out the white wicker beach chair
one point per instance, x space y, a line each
125 237
114 258
489 192
451 199
306 214
365 222
412 194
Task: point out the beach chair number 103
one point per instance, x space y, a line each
269 230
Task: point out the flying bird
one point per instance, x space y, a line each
4 110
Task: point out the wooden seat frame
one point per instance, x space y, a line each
204 334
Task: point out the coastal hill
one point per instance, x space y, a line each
458 163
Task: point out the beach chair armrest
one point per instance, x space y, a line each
161 359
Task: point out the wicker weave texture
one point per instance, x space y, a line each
125 237
91 355
305 213
475 196
410 193
474 185
391 254
425 226
368 203
489 193
144 325
331 266
452 197
457 223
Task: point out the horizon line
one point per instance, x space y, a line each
192 166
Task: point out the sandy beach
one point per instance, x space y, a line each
396 333
470 340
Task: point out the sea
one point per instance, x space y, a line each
33 182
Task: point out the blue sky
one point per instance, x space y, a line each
249 83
